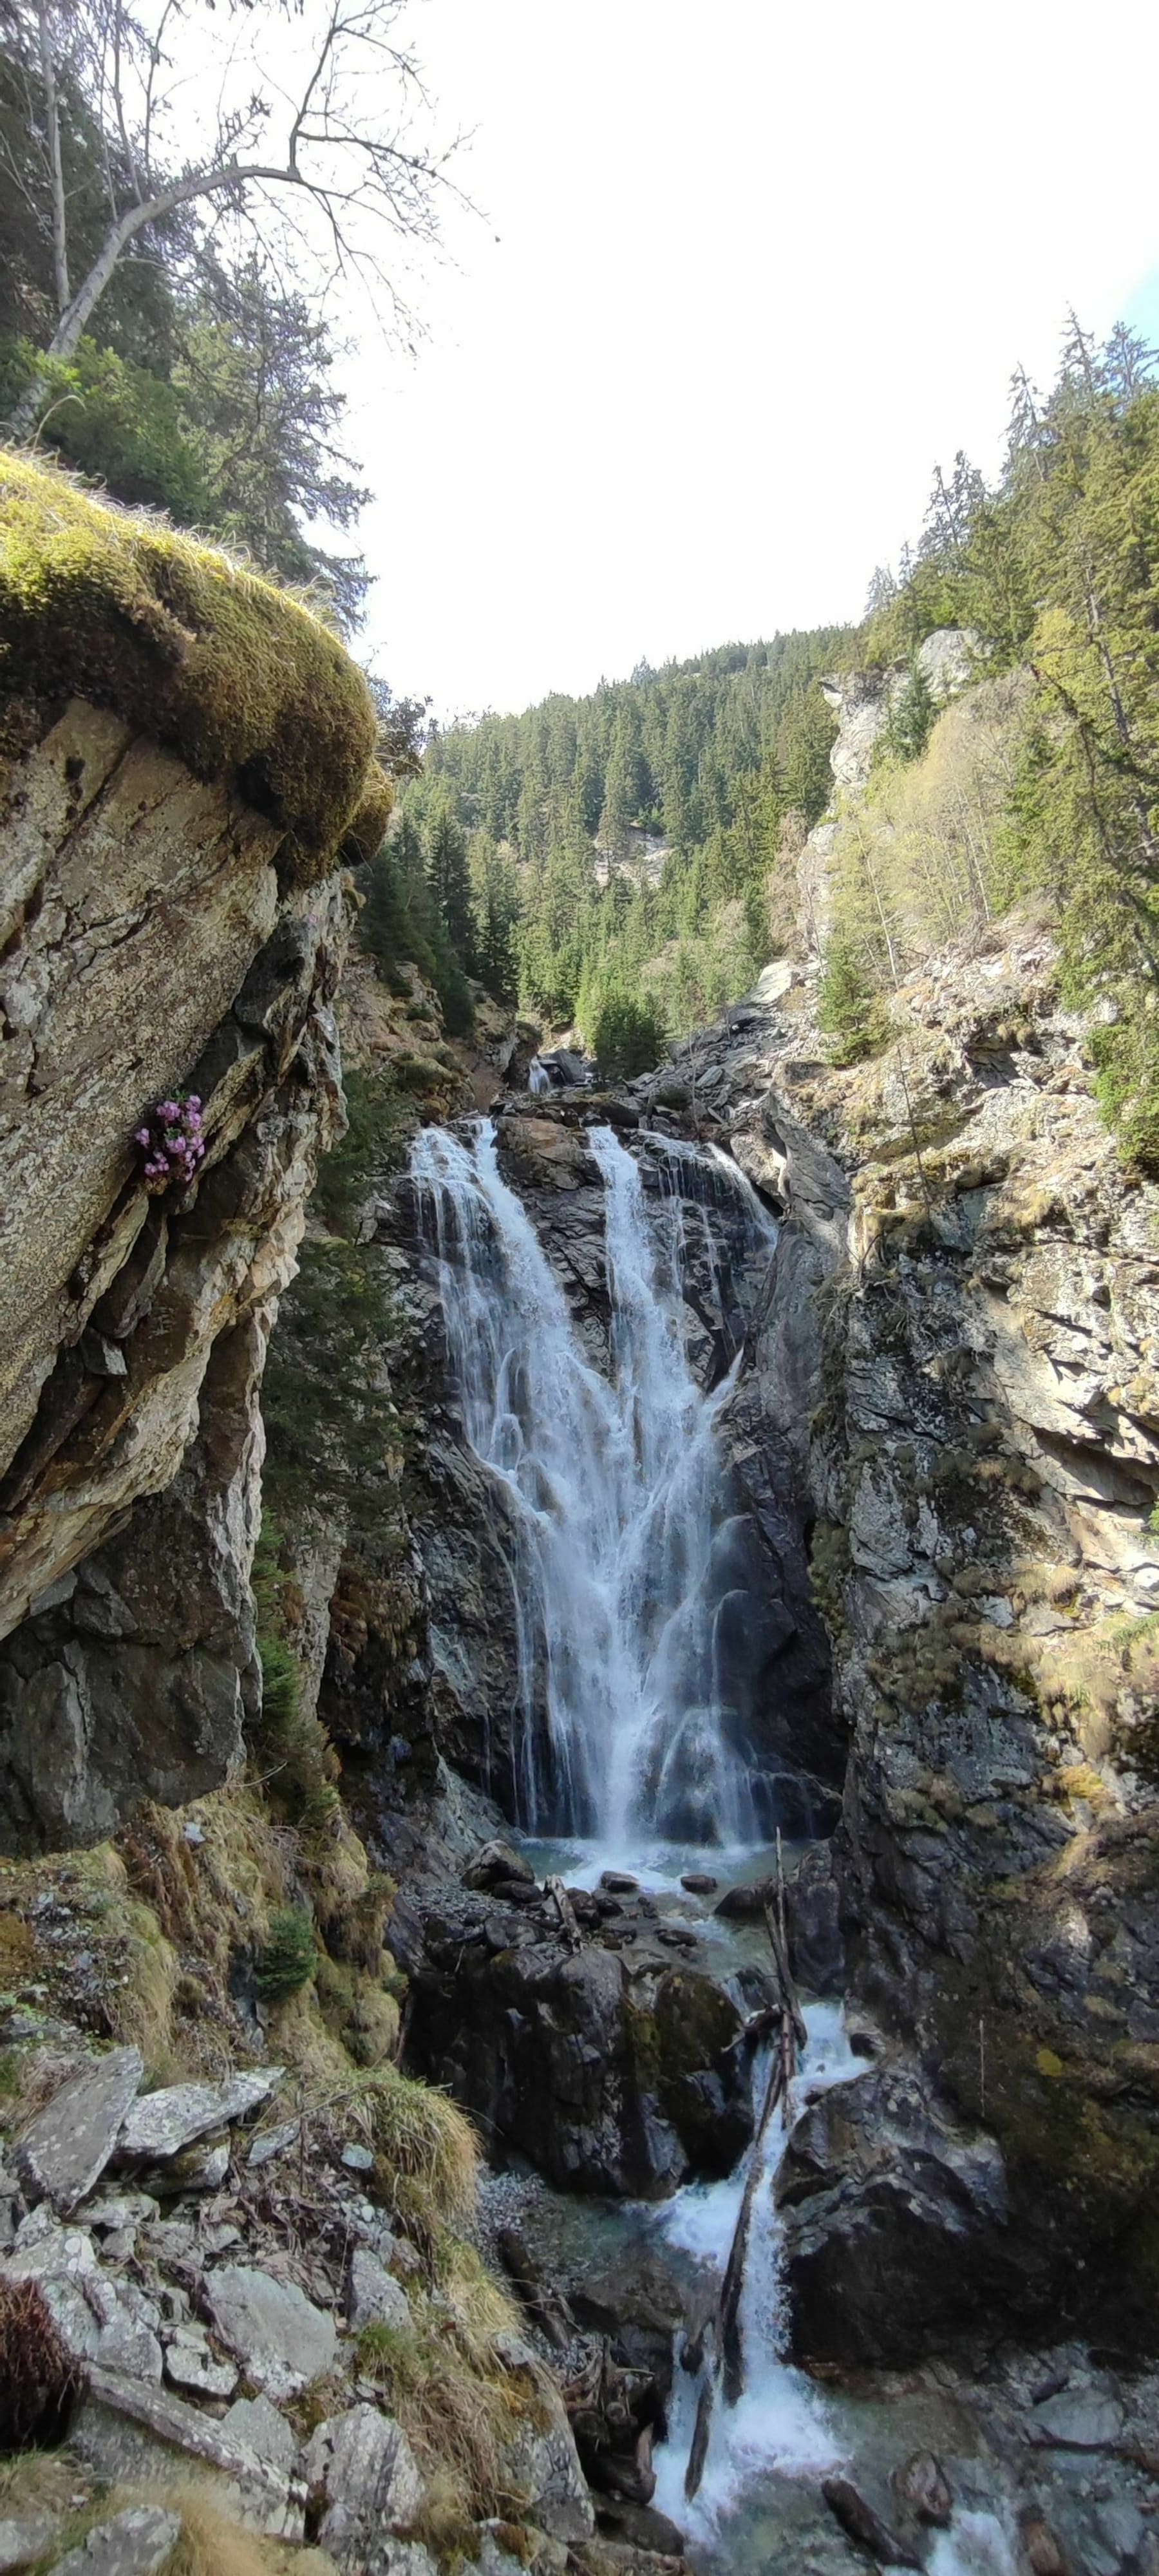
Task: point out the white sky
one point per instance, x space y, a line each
757 267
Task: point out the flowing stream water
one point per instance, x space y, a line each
630 1748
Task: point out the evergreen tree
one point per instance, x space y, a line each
449 878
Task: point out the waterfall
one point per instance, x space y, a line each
628 1720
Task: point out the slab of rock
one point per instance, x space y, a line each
25 2538
541 2465
497 1861
1078 2419
255 2422
135 2543
373 2296
65 2149
128 2430
162 2123
189 2363
864 2524
923 2489
363 2465
282 2338
273 2142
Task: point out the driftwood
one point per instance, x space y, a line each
729 2355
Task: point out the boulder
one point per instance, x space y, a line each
639 2307
1078 2419
813 1923
497 1861
128 2431
190 2363
65 2149
373 2297
162 2123
25 2538
923 2489
541 2466
880 2184
362 2464
864 2524
135 2543
282 2338
257 2424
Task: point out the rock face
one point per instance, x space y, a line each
958 1355
64 2151
162 938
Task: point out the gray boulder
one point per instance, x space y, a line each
373 2297
282 2338
127 2430
365 2469
135 2543
1078 2419
65 2149
162 2123
541 2465
24 2538
255 2422
880 2184
190 2363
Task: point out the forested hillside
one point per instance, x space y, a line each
627 843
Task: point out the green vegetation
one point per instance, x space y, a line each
625 851
289 1956
240 679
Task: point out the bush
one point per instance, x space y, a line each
289 1958
38 2377
627 1037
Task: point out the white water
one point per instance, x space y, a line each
621 1553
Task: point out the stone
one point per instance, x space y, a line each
162 2123
281 2337
1078 2419
813 1923
388 2557
356 2157
880 2183
923 2489
129 2432
1042 2548
619 1883
270 2143
746 1903
699 1882
497 1861
363 2465
190 2364
119 2212
65 2149
864 2524
541 2465
643 2526
256 2423
26 2537
373 2297
135 2543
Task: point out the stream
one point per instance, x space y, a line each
637 1749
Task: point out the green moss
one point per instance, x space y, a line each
240 679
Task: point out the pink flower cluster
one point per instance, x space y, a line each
174 1142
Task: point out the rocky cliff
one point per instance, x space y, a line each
185 757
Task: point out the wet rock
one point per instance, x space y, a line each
864 2525
363 2466
640 2308
877 2184
699 1882
641 2526
923 2489
813 1923
135 2543
65 2149
746 1904
257 2424
616 1882
128 2431
1078 2419
497 1862
373 2296
1042 2547
162 2123
282 2338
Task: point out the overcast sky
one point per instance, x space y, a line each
745 272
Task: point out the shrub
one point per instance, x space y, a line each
38 2377
290 1956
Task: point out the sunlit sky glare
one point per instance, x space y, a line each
743 274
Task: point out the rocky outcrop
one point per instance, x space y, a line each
958 1353
172 929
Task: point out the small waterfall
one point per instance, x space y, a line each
628 1720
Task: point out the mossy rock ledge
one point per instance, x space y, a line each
186 758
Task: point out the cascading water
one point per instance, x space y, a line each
622 1578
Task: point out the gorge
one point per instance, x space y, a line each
720 1487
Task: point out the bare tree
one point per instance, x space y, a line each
322 158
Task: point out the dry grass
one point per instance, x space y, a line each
38 2377
426 2152
459 2407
